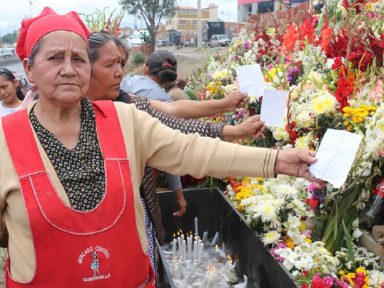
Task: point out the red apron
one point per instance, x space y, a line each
96 248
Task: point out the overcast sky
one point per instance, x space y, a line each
13 11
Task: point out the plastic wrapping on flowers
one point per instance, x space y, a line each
332 66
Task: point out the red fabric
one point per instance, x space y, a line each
96 248
33 29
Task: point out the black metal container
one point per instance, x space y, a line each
216 214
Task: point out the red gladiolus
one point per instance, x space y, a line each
289 38
344 89
307 31
337 63
325 37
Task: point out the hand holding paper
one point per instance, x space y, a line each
251 80
273 107
335 156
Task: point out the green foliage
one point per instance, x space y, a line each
191 94
138 58
100 21
152 11
9 38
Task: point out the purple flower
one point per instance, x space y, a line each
292 74
327 281
247 46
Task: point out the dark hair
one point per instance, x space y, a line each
120 44
35 50
9 76
96 41
163 65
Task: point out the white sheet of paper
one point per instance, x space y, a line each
335 156
273 107
251 80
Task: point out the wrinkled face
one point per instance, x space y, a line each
106 73
8 89
123 57
61 69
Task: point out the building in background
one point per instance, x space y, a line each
184 23
246 8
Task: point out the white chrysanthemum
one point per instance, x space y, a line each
376 278
304 119
267 212
280 134
284 190
271 237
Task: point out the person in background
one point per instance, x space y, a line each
108 57
11 95
71 169
176 90
159 71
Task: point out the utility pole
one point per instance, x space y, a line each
199 26
30 8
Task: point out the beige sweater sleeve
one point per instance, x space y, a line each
171 151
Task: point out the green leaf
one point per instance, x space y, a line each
348 241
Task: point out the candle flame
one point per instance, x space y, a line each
211 268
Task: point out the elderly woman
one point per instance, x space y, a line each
71 169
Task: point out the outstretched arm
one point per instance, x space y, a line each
250 127
197 109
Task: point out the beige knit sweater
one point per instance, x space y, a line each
148 142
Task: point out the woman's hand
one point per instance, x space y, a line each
235 100
295 162
182 203
250 127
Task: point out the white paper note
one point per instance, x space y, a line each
251 80
335 156
273 107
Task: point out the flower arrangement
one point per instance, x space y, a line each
332 67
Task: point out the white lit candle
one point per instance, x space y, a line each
179 245
215 238
174 241
200 251
189 244
205 236
196 226
195 247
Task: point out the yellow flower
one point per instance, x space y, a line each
289 243
341 272
361 270
303 226
350 276
308 240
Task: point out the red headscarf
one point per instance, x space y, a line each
33 29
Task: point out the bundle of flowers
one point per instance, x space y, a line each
332 67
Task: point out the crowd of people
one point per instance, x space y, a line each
76 177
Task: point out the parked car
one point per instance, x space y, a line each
163 43
6 53
219 40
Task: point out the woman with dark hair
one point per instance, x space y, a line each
11 95
107 55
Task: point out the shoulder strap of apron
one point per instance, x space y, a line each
23 148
